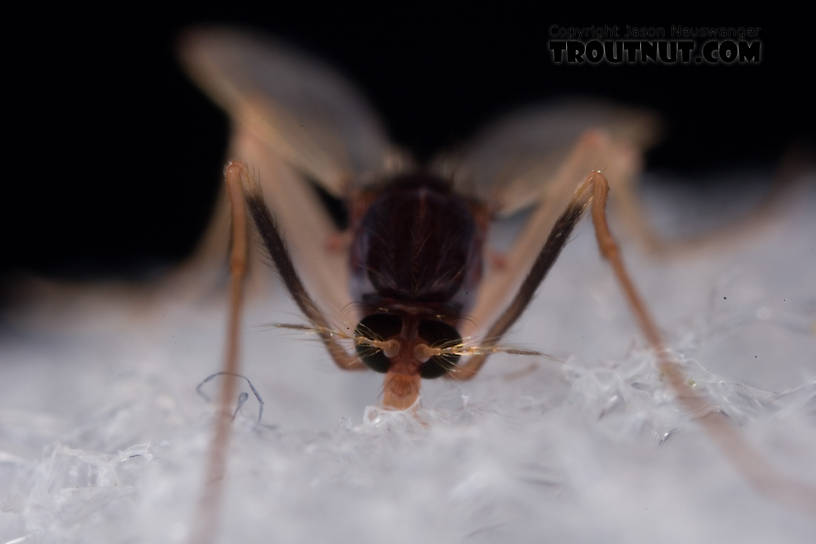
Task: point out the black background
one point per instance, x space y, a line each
117 160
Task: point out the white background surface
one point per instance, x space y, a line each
102 437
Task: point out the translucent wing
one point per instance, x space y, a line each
511 163
292 117
305 226
538 157
304 112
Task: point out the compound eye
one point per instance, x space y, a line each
438 335
376 327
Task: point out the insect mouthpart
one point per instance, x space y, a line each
407 344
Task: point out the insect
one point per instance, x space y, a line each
410 289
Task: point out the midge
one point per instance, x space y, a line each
430 299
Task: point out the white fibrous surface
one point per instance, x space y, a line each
104 439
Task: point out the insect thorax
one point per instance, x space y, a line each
417 246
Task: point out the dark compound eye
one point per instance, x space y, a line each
438 335
377 327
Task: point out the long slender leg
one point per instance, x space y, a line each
546 257
237 179
206 521
745 458
795 162
280 256
756 469
591 152
298 213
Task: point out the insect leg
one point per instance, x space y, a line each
270 234
745 458
546 257
795 162
754 467
209 505
591 152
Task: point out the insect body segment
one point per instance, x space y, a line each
417 248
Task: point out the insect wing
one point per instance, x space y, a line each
305 227
513 162
537 158
293 117
304 112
